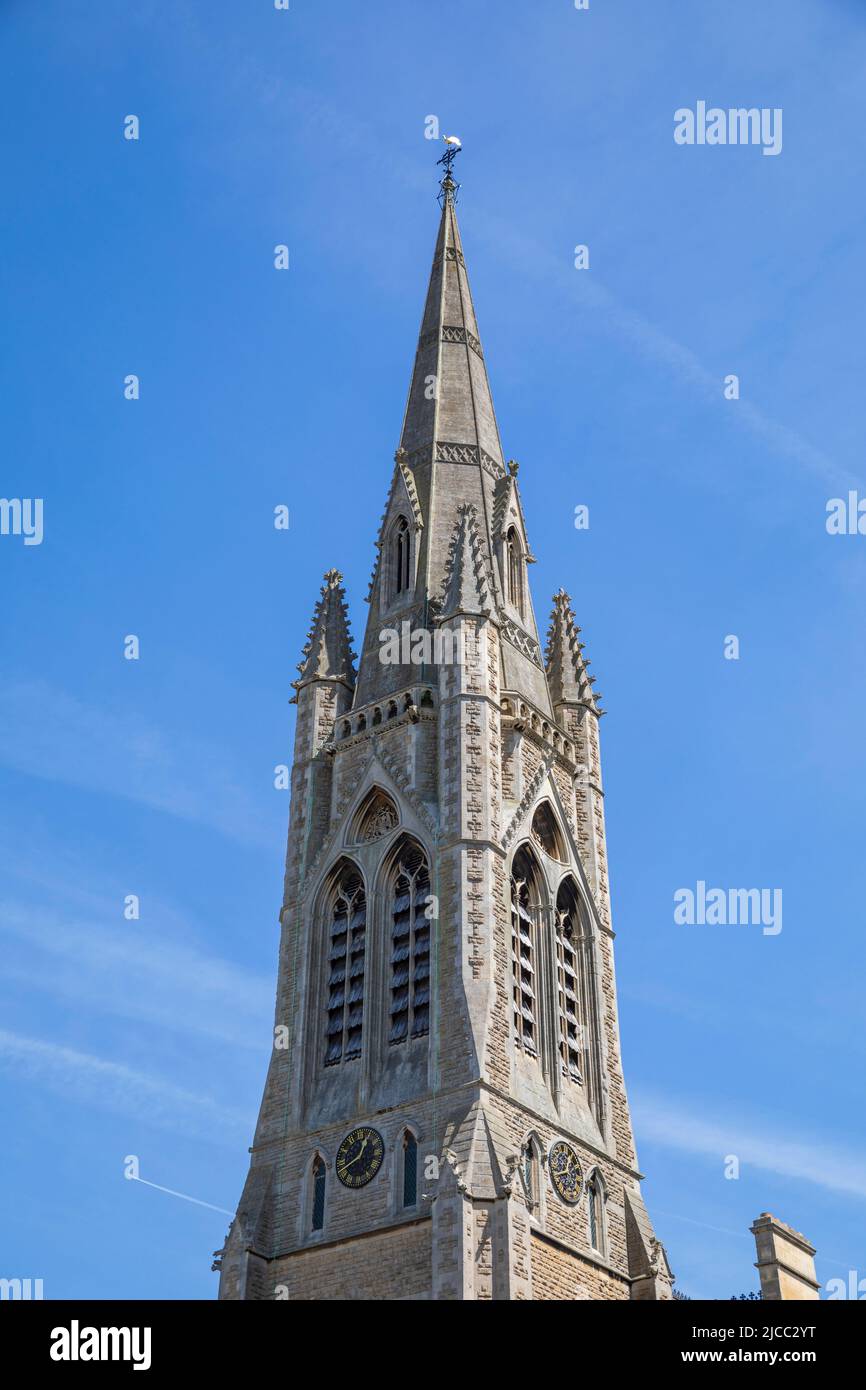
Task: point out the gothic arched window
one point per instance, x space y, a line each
401 556
347 921
532 1172
410 944
595 1199
525 903
568 981
514 567
410 1169
318 1179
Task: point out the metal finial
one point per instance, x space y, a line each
448 186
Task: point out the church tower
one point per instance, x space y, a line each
444 1115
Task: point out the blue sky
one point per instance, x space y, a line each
707 518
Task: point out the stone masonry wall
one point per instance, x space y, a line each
389 1265
560 1276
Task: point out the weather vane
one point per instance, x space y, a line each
447 185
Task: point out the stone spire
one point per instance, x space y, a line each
567 676
450 457
328 653
449 403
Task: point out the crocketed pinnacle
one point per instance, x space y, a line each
328 653
567 675
467 584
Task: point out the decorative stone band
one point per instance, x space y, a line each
440 451
462 335
467 453
522 641
452 254
526 719
403 707
452 334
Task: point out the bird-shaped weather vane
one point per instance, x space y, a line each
453 146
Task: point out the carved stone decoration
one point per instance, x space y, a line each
512 1174
441 451
380 823
461 335
446 452
522 641
459 1180
451 333
378 816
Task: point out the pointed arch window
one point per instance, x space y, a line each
401 556
525 902
595 1201
318 1177
532 1173
410 945
568 982
347 923
514 568
410 1169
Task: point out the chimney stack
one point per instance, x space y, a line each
786 1260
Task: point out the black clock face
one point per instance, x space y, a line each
359 1157
565 1172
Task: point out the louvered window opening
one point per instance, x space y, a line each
346 972
567 991
410 950
410 1169
523 967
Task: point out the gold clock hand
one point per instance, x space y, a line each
355 1159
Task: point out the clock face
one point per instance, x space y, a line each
359 1157
565 1172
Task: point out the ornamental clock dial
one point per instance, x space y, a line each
565 1172
359 1157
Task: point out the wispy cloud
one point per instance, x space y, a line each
818 1026
45 732
109 1085
536 259
126 971
645 339
669 1125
